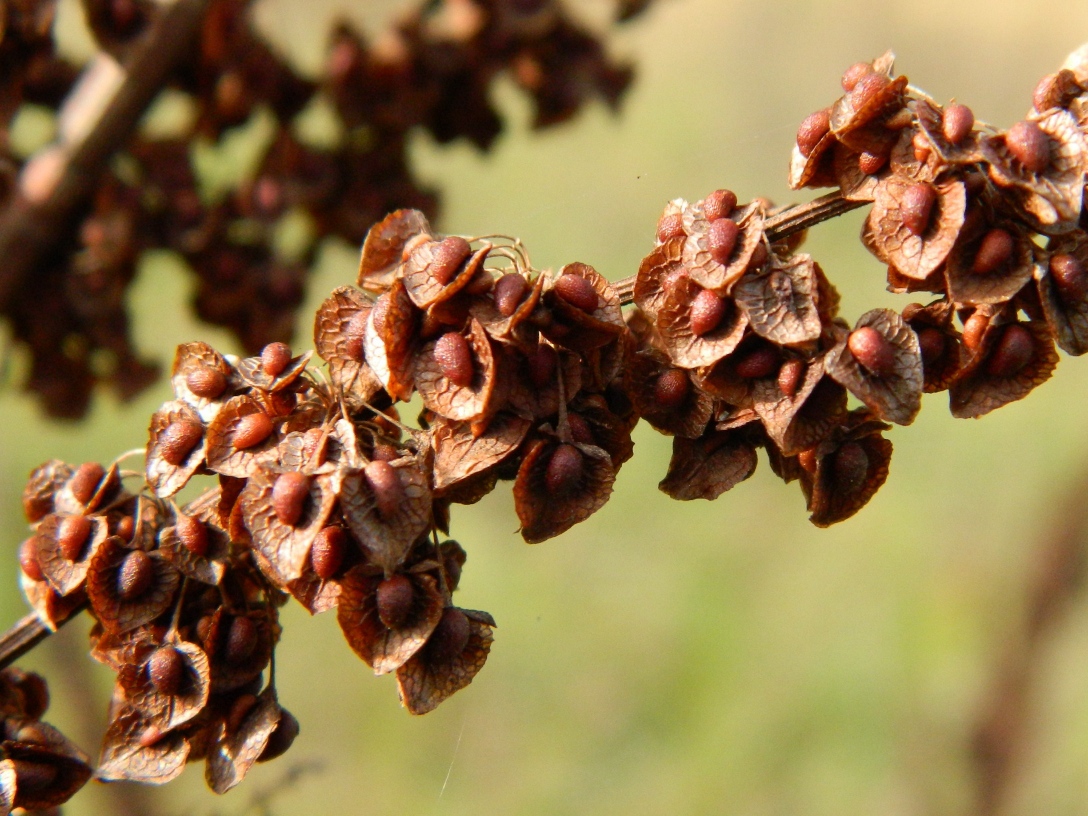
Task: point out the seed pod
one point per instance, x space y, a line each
388 491
135 576
274 358
851 467
973 330
670 226
178 439
1069 277
34 777
206 382
543 361
994 251
28 560
124 528
790 376
72 534
577 291
241 641
807 459
872 350
192 534
395 596
707 311
719 204
757 363
671 389
721 239
1029 145
508 293
149 736
85 481
450 637
166 670
932 342
854 73
921 147
454 356
867 88
957 122
448 257
328 551
872 163
281 738
916 207
354 335
251 430
564 471
580 430
814 128
1012 352
289 496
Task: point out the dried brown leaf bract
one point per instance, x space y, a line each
981 390
235 752
684 346
780 301
459 454
546 513
436 386
384 247
164 477
222 434
388 536
339 330
706 467
130 754
427 679
888 237
116 612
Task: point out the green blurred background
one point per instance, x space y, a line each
717 658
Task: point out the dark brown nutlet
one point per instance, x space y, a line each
124 528
808 460
355 335
275 357
719 204
166 670
251 430
178 439
28 559
450 637
453 354
851 467
289 495
813 129
854 73
448 256
1029 145
974 328
671 389
578 292
281 738
84 481
386 486
192 534
757 363
872 350
994 251
580 430
707 311
543 361
395 597
868 87
135 576
932 343
508 293
872 163
789 377
206 382
564 471
670 226
241 641
1069 277
33 776
916 207
328 551
1012 352
72 534
957 122
721 239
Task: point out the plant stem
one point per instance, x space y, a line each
24 636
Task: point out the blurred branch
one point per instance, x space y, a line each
24 636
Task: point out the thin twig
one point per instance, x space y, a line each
24 636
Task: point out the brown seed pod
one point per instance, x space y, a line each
994 251
932 343
707 311
274 358
508 293
872 163
328 551
757 362
166 670
872 350
450 637
957 122
251 430
578 292
543 361
719 204
564 471
790 376
355 334
206 382
28 560
1030 145
241 641
135 575
671 389
192 533
851 466
813 129
670 226
178 439
1012 352
84 481
868 88
384 483
72 534
579 429
395 596
1069 277
454 356
289 495
448 256
916 207
807 460
973 330
721 238
282 737
124 528
853 75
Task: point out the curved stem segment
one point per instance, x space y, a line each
24 636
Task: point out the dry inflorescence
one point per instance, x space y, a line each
733 342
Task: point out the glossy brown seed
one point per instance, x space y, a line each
1069 277
149 736
564 471
395 597
281 738
957 122
932 342
192 534
973 330
328 551
178 439
813 128
871 163
205 382
707 311
509 291
448 257
872 350
1012 352
1030 145
994 251
274 358
72 534
454 356
789 377
354 335
28 559
85 481
32 776
241 641
251 430
851 467
580 430
867 88
165 670
578 292
386 487
124 528
721 239
719 204
450 637
808 460
135 576
289 495
916 207
669 226
757 363
671 389
854 73
543 361
920 145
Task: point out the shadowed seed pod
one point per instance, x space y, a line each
179 439
1029 145
274 358
72 535
395 597
289 495
192 533
577 291
387 488
135 576
252 430
166 670
328 551
85 481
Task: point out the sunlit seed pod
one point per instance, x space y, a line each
314 447
867 88
241 641
789 377
757 363
669 226
973 330
386 486
206 382
32 776
448 257
84 481
872 350
251 430
932 343
28 560
450 637
564 471
916 207
178 439
1069 277
1030 145
135 576
240 708
721 239
671 389
921 147
328 551
281 738
354 335
814 127
385 452
994 251
149 736
957 121
453 354
509 291
289 495
807 459
1012 352
707 311
166 670
580 430
124 528
395 597
854 73
851 466
192 534
543 361
719 204
578 292
872 163
72 535
274 358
